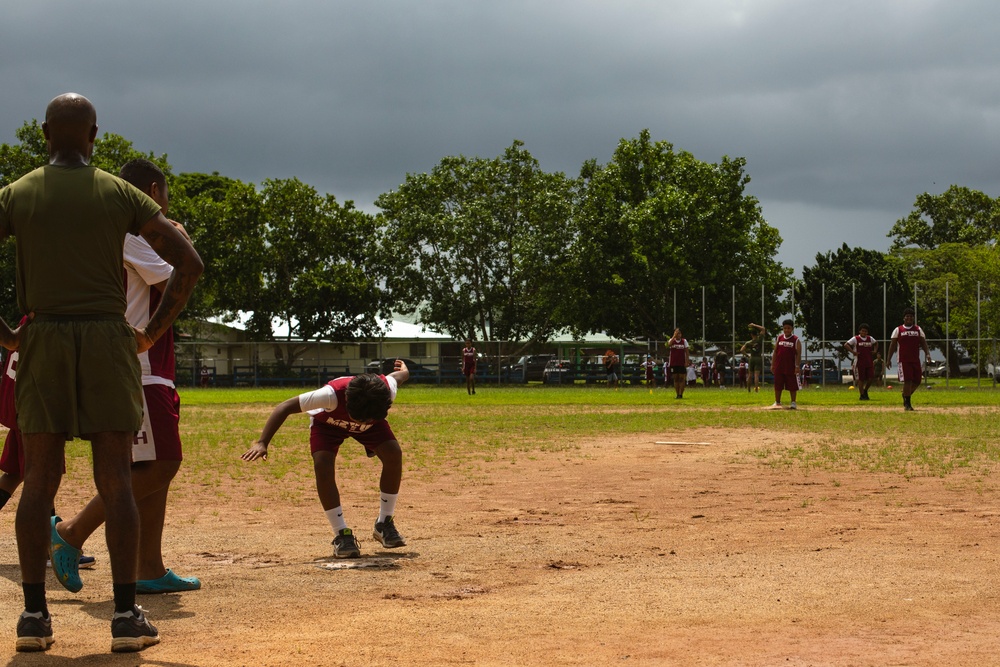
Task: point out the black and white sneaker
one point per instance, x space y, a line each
387 535
34 632
345 545
131 631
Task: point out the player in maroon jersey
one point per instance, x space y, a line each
910 339
864 348
678 361
353 407
469 367
785 361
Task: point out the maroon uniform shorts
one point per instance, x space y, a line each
159 438
783 381
864 374
328 438
910 371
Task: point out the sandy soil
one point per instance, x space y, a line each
618 551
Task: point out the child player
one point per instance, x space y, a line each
469 367
353 407
910 339
864 348
680 357
785 361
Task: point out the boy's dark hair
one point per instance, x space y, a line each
788 322
864 325
909 311
368 397
140 172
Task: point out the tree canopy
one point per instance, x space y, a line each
653 221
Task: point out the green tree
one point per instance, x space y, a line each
653 221
855 283
476 246
958 215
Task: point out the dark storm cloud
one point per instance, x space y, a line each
849 108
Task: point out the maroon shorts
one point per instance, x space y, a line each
910 372
12 458
12 461
864 374
328 438
468 370
159 438
783 381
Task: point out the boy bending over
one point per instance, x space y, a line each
356 407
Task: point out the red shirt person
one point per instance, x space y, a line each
785 362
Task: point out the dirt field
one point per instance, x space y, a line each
618 551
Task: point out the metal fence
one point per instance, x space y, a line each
964 360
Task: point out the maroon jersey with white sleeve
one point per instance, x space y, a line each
909 341
327 405
784 354
864 351
143 269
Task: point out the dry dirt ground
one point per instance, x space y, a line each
618 551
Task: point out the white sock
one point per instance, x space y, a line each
336 518
387 506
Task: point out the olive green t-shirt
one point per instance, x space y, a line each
70 225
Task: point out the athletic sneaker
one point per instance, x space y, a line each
131 631
345 545
775 405
168 583
793 406
34 632
65 560
387 535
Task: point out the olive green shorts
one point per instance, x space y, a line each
756 364
78 377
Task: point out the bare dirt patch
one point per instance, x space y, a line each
618 551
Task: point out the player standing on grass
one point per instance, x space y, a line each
78 372
469 366
910 339
786 359
156 450
864 348
353 407
755 348
680 357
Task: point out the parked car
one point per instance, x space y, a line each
939 369
993 371
558 371
527 368
385 366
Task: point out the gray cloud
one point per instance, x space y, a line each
844 111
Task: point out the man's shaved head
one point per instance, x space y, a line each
70 127
70 109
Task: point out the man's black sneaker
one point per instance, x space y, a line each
387 535
345 545
131 631
34 632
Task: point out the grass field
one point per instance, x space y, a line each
951 428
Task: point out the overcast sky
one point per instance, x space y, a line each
845 111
